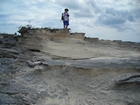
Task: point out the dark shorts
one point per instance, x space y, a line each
66 23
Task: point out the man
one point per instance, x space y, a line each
65 16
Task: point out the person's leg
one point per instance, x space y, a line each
64 24
67 23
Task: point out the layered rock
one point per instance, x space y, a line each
56 67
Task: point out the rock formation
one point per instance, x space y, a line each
56 67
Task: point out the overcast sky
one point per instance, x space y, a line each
105 19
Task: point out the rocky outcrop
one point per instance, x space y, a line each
128 78
78 35
55 67
39 37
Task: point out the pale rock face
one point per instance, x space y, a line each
56 67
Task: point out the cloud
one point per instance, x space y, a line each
78 8
92 5
83 14
118 18
3 17
94 17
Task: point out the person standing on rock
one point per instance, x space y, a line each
65 18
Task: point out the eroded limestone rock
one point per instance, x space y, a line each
49 67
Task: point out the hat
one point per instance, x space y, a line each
66 9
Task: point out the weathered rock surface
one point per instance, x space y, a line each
53 67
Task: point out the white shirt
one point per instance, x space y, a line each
66 14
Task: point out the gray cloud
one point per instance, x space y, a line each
107 16
136 12
117 18
85 13
110 20
93 6
73 5
77 8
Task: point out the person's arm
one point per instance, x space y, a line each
68 15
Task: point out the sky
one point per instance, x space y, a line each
103 19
